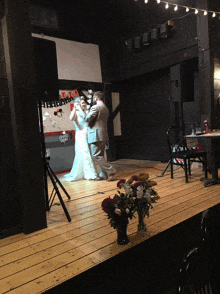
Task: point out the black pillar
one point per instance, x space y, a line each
23 97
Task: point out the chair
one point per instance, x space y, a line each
195 274
200 268
180 154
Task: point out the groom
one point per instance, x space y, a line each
97 136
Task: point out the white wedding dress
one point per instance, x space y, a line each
83 166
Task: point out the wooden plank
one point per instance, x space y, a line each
70 269
91 239
39 261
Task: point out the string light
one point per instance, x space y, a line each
196 10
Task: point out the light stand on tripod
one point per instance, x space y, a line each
47 170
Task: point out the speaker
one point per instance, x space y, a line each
46 69
182 77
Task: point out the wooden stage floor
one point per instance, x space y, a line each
42 260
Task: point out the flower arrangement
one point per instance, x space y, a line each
138 197
119 209
140 187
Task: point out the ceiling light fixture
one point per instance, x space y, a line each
214 14
187 9
196 11
205 12
175 8
167 6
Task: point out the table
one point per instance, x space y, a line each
212 157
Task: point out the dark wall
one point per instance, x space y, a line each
10 202
147 109
181 44
145 117
23 195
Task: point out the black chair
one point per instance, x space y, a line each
200 269
195 273
180 154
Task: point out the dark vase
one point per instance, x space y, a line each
142 228
122 237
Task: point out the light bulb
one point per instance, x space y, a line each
205 12
187 9
213 15
167 6
196 11
175 8
158 1
145 1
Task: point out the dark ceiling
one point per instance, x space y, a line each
102 21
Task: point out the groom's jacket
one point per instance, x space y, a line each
97 118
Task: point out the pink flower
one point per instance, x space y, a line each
135 178
106 203
120 183
118 211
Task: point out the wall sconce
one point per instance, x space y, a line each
146 39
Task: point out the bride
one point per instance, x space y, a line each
83 166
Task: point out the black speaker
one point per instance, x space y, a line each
182 77
46 69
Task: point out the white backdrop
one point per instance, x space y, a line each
77 61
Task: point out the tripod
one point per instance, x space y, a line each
48 170
55 190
